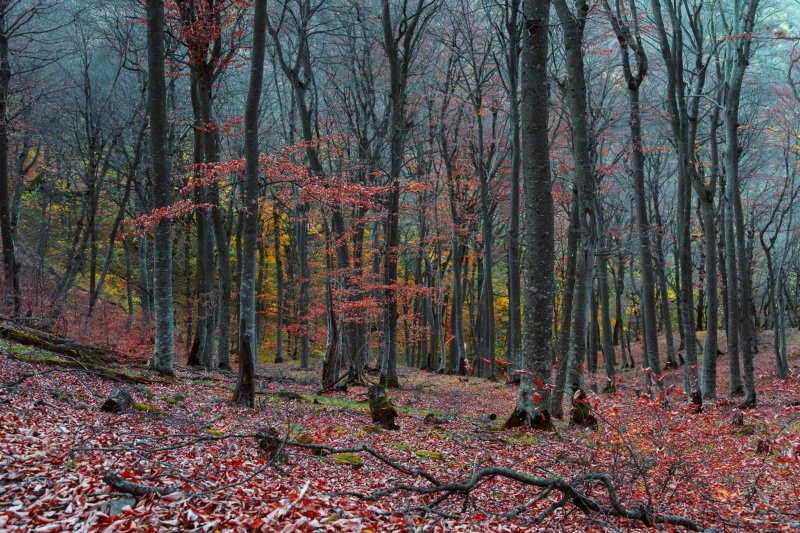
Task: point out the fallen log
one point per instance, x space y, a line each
119 401
56 344
89 368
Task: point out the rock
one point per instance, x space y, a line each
116 506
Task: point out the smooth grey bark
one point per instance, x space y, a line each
609 354
341 345
512 59
732 290
162 248
661 277
774 296
458 355
681 129
201 352
631 43
572 26
568 293
536 363
706 194
737 61
594 336
143 282
401 35
248 342
476 73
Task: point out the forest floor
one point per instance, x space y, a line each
56 446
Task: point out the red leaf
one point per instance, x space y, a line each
539 383
536 397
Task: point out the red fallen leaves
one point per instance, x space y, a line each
697 466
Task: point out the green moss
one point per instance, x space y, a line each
524 439
346 458
429 455
373 429
146 407
169 399
58 395
401 446
304 438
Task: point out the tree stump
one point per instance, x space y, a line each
119 401
521 418
697 402
269 442
380 408
581 412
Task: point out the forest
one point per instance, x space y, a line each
399 265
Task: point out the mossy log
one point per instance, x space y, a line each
89 368
56 344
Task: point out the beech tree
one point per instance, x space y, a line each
162 185
248 339
533 396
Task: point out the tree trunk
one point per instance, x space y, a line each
536 363
583 183
248 342
157 99
12 299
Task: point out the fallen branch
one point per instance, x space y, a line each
575 491
135 489
21 379
570 490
